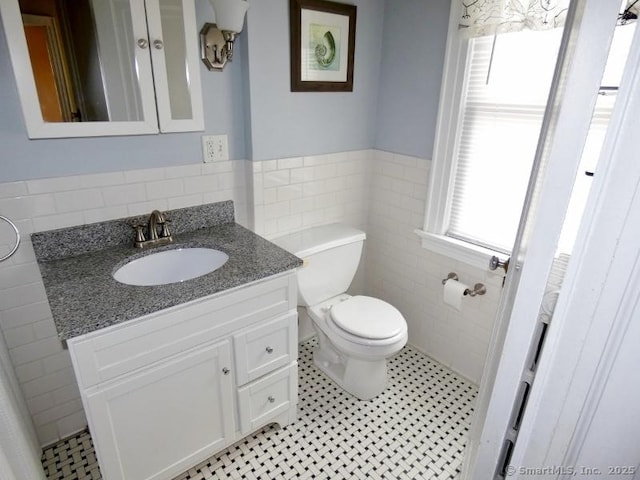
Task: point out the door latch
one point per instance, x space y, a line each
495 263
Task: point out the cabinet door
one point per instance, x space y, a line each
100 70
159 421
173 40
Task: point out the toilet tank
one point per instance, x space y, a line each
331 254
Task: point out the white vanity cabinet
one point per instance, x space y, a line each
168 390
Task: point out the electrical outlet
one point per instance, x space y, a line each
215 148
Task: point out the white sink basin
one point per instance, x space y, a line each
171 266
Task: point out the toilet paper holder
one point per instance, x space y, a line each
478 288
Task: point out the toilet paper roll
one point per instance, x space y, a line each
453 293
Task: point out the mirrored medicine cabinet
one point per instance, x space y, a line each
105 67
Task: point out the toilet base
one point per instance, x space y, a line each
364 379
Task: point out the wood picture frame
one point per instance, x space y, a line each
323 37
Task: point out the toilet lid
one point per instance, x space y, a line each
368 317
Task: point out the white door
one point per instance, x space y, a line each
156 423
588 33
19 449
584 412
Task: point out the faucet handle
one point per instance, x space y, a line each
165 229
139 233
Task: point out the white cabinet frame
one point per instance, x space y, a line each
165 391
154 99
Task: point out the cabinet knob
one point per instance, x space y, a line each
226 371
143 43
271 399
269 350
157 44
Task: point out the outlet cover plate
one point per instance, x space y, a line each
215 148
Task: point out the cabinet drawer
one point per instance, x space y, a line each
265 347
261 401
108 353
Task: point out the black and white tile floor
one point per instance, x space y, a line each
416 429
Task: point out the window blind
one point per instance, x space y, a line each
504 97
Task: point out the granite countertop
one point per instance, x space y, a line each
84 297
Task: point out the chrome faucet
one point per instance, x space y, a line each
156 218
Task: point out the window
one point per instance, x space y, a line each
503 102
494 96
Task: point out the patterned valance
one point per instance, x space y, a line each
488 17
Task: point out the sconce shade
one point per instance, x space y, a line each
230 14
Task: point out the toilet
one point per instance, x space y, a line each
356 334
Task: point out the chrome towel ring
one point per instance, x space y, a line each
15 247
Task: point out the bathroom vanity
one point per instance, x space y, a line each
168 390
171 374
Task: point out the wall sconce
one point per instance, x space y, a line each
216 39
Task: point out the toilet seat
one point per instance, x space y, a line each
322 316
367 317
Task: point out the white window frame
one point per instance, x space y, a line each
443 168
443 161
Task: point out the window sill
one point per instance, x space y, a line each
458 250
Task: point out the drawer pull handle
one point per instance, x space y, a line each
271 399
269 350
226 371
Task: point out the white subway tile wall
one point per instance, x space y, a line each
291 194
406 275
295 193
41 363
381 193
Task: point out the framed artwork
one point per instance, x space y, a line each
323 37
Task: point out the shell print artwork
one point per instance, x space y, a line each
325 45
326 51
322 45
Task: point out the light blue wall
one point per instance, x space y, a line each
398 66
289 124
21 158
415 34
